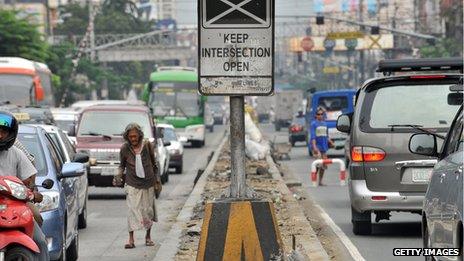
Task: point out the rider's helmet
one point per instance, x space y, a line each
8 122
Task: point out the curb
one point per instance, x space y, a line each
170 245
308 243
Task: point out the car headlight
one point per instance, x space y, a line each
18 191
174 151
51 201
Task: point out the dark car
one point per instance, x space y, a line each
297 131
442 214
384 175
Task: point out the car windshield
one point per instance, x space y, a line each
169 134
15 88
112 123
63 124
423 105
34 147
182 104
333 106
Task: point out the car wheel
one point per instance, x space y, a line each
82 222
179 169
166 172
362 224
163 179
19 253
73 250
426 238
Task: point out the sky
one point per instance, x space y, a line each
187 9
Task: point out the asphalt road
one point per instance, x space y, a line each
106 233
403 230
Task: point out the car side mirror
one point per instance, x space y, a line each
47 184
72 169
423 144
166 143
160 132
72 130
344 123
455 98
81 157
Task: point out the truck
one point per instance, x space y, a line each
287 104
334 103
263 107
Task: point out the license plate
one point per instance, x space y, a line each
109 171
421 174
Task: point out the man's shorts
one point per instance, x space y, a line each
321 156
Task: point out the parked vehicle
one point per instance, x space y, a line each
175 147
287 103
334 103
16 220
442 216
67 152
99 135
59 208
384 175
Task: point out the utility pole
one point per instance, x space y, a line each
92 31
361 52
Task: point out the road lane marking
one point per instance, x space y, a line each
352 249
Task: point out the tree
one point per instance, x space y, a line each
20 38
445 47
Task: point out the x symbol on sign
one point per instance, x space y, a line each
234 7
375 41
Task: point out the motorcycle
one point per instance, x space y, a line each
17 220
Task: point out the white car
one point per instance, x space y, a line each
69 154
162 157
65 118
175 147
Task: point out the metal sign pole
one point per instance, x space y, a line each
237 147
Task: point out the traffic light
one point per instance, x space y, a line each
375 30
319 19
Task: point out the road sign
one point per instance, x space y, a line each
345 35
236 47
307 44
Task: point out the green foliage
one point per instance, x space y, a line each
75 20
19 38
445 47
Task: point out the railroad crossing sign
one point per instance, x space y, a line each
236 47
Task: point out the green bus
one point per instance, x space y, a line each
172 96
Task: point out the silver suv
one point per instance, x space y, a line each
384 175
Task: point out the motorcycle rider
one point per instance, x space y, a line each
14 162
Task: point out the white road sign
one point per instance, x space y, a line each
236 47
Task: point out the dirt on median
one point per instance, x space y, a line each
265 186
